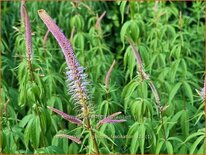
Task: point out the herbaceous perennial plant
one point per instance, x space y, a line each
77 84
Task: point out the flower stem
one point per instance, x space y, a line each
96 148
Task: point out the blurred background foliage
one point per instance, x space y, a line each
170 39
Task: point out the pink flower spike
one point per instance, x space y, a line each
22 10
76 77
60 37
114 121
113 115
69 118
154 90
137 55
155 8
108 75
27 34
45 39
75 139
109 119
97 25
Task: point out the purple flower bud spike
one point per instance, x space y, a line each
45 39
22 10
97 25
69 118
109 119
27 33
75 139
108 75
138 58
76 77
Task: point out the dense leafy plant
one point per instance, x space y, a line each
143 59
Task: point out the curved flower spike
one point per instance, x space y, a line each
108 75
109 119
45 39
97 25
76 77
69 118
75 139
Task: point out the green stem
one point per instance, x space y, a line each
30 70
93 135
41 126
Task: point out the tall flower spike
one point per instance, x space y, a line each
76 77
145 76
27 34
22 10
108 75
139 60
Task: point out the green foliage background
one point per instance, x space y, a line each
172 51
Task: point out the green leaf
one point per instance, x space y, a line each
134 143
174 91
122 9
159 147
195 144
49 150
188 91
185 123
35 131
25 120
193 135
169 147
123 32
100 134
142 140
175 119
27 132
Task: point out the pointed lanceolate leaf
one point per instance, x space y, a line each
75 139
69 118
